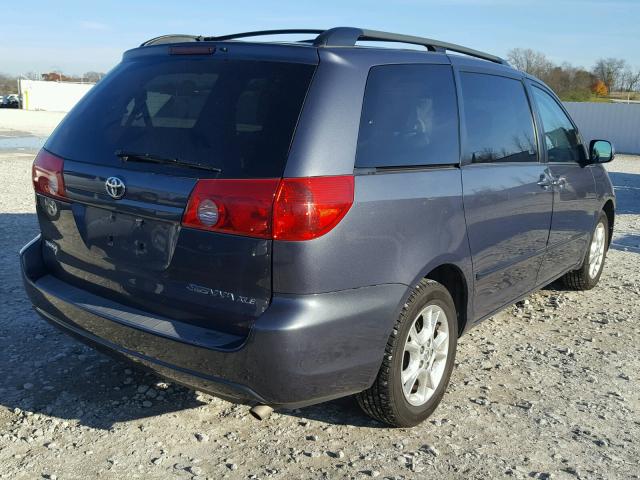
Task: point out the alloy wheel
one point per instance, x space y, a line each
425 355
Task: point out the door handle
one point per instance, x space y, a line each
545 181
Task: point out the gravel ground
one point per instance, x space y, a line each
546 389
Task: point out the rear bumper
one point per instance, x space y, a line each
304 349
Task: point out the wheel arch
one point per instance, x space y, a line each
453 279
609 209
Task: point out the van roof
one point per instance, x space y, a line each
335 37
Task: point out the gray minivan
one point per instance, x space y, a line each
281 224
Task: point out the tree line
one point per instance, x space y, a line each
608 75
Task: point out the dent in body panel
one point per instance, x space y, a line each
401 226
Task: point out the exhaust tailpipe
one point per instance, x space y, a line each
261 412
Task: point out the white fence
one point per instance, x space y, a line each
617 122
51 96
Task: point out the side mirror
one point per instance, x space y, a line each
601 151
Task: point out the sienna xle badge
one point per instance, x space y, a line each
281 224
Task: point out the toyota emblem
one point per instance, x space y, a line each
115 187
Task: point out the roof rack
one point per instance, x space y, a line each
348 36
340 37
172 38
261 33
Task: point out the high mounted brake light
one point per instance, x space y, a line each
292 209
47 174
192 50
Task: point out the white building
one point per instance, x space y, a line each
51 96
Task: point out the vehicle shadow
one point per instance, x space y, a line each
42 370
627 189
343 411
627 242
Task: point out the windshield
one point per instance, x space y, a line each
235 115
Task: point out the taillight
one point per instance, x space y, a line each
47 174
288 209
241 207
307 208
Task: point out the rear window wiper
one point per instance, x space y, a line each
145 157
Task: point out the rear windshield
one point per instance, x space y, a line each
236 115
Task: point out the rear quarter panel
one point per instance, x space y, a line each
401 226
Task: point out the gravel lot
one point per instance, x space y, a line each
546 389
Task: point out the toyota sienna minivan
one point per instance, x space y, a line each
285 223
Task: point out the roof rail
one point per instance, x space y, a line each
348 36
172 38
260 33
338 37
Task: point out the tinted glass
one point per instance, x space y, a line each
236 115
409 117
560 136
498 120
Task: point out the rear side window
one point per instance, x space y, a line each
498 121
560 136
409 117
237 115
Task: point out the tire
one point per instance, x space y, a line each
386 400
588 275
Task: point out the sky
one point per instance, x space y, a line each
81 36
